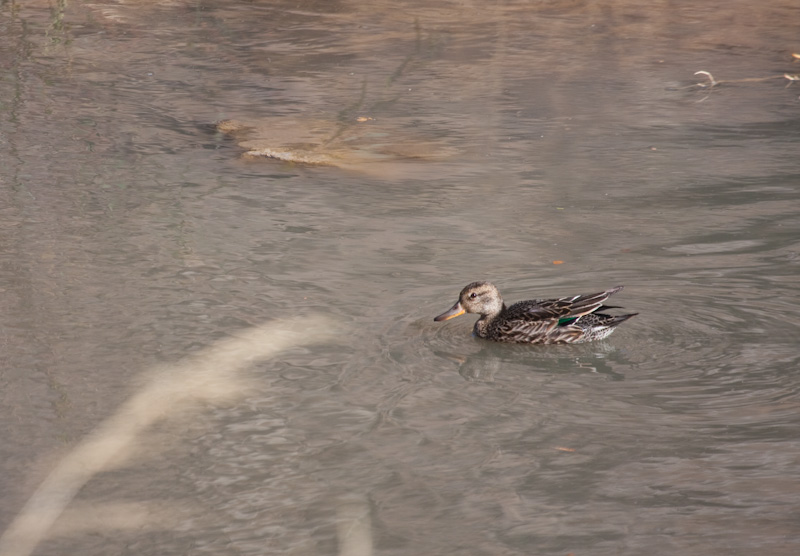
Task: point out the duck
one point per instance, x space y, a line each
566 320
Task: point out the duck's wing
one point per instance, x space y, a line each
524 330
559 309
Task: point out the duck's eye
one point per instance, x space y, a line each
473 295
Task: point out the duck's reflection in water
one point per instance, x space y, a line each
488 362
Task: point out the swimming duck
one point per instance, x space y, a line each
567 320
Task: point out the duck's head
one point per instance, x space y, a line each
478 297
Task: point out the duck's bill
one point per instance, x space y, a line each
454 311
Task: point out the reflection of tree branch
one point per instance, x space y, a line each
214 374
417 49
346 115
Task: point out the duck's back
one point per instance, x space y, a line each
551 321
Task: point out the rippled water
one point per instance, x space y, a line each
553 149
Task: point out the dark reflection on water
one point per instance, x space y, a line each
503 137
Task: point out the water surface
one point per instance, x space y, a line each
478 141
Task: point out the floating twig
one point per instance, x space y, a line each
712 81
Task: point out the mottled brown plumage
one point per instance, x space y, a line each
567 320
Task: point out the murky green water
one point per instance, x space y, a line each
469 141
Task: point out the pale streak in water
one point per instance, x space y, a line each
212 375
354 526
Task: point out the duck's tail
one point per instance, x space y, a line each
616 320
585 304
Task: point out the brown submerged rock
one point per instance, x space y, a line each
328 143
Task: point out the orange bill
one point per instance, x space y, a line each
454 311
